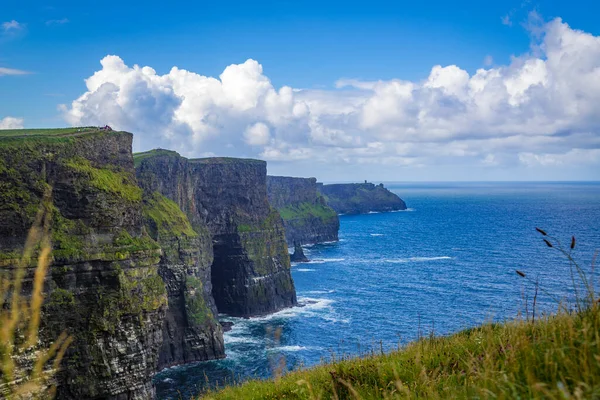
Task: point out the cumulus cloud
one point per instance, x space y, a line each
544 105
257 134
11 123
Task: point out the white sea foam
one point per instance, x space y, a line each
230 339
407 210
305 269
325 260
292 348
374 212
320 291
377 234
415 259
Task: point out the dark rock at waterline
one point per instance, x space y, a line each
298 255
227 325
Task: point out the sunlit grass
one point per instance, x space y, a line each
552 357
45 132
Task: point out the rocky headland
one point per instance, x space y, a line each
308 219
360 198
103 286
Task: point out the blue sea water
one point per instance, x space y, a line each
445 264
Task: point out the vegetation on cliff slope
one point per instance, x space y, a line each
553 357
110 180
165 217
304 211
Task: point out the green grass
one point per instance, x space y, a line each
226 160
12 133
112 181
307 210
138 158
552 357
557 357
167 219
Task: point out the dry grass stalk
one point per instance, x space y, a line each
26 368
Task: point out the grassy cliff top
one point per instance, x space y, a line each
13 136
57 132
226 160
139 157
556 357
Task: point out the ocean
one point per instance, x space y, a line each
445 264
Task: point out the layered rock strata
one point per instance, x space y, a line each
250 272
103 286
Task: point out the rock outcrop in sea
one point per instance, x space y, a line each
298 255
307 217
360 198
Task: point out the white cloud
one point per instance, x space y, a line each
545 102
257 134
11 123
12 71
12 26
574 156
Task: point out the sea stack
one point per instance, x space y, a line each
298 255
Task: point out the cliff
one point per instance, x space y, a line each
306 216
191 331
103 285
360 198
250 272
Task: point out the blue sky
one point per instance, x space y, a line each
307 46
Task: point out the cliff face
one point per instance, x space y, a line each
250 273
360 198
306 216
191 331
103 286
